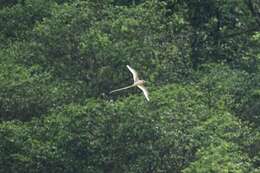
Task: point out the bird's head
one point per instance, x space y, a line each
143 81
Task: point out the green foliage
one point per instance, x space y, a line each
77 44
124 136
59 60
251 104
222 33
24 93
222 158
231 89
225 87
18 20
27 92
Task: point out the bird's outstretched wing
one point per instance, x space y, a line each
144 91
135 74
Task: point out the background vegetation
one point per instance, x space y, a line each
59 59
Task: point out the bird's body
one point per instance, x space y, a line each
137 83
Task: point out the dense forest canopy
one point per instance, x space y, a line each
60 59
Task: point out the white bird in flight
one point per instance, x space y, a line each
137 82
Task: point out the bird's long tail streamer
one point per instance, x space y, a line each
122 89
